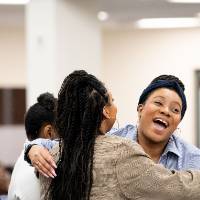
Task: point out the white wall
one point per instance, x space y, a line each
41 48
78 38
12 74
12 56
11 145
62 35
132 58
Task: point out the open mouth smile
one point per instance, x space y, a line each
161 123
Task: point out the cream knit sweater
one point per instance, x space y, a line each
121 170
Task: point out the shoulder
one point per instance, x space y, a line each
128 131
190 154
112 140
23 174
22 166
118 145
55 151
186 147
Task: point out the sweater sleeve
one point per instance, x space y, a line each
140 178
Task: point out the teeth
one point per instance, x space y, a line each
164 122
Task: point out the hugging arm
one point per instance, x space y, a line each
139 177
36 152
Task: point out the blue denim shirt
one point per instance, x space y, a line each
177 155
3 197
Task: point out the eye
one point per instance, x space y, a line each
176 110
158 103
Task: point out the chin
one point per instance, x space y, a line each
158 140
154 138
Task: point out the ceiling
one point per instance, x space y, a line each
128 11
121 12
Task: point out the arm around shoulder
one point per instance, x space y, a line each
140 178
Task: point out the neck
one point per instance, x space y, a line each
153 149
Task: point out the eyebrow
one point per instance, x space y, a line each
159 96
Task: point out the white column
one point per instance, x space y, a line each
41 45
62 35
78 38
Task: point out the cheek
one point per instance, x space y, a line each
145 116
144 121
148 109
176 122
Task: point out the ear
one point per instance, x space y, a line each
106 113
139 110
48 131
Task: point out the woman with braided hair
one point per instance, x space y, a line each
93 165
85 111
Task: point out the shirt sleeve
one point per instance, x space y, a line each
140 178
42 142
128 131
193 161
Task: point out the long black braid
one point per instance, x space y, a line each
79 115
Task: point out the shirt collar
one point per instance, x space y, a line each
172 147
135 135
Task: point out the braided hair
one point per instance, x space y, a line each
44 111
79 115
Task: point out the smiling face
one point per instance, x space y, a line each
159 116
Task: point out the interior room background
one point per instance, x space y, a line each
42 42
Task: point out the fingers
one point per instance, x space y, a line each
45 170
42 161
47 164
48 158
41 172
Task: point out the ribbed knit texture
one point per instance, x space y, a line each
122 171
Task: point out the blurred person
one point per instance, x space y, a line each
94 165
39 123
4 182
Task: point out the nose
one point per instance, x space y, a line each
165 110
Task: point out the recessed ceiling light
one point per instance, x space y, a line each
184 1
102 16
168 23
14 2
